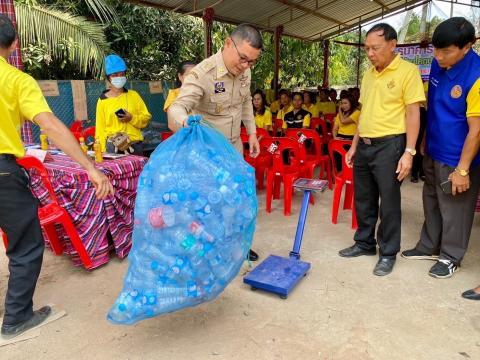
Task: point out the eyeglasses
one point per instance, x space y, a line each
243 58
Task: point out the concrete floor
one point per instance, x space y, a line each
339 311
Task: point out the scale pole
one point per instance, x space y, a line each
295 253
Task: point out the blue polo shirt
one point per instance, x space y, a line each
453 96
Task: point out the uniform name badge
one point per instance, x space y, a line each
218 108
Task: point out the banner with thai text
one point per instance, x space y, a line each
420 56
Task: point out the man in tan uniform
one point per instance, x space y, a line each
219 89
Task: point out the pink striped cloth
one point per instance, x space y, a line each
95 220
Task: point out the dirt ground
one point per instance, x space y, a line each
339 311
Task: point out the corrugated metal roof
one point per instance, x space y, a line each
303 19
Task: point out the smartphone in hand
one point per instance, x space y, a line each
120 113
447 187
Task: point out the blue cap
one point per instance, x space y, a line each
113 64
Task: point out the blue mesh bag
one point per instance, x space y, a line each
195 215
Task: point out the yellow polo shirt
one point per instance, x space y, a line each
348 129
281 113
385 96
20 99
327 107
172 95
312 109
261 121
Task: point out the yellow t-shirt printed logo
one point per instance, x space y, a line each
391 84
456 92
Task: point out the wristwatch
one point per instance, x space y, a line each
411 151
461 172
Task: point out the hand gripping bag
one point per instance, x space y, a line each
195 215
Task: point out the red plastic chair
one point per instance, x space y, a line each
344 177
262 133
281 172
53 213
263 161
89 132
76 129
330 119
165 135
276 125
313 158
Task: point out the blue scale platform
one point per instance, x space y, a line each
279 274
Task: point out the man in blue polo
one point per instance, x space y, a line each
451 162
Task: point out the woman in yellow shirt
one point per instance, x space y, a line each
183 70
120 110
309 104
347 118
263 116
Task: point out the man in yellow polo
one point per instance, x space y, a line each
21 99
383 146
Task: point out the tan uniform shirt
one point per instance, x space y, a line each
221 98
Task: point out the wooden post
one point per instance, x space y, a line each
208 15
278 37
326 56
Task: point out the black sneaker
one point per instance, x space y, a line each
39 316
414 254
443 269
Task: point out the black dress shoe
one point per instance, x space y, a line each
39 316
384 267
471 295
355 250
252 255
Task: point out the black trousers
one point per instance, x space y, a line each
448 219
377 193
19 221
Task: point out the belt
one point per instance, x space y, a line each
377 140
7 157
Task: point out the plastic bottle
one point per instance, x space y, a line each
98 151
228 214
43 141
82 145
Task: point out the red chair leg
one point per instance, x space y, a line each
53 239
337 193
268 200
287 196
260 174
347 202
76 241
276 186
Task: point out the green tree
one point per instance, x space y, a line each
57 43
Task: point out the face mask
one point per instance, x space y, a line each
119 82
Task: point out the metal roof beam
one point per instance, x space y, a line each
311 12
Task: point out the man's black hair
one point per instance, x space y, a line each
249 34
7 32
456 31
389 32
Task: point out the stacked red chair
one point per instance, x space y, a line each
52 214
264 160
313 156
342 178
281 172
76 129
277 126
